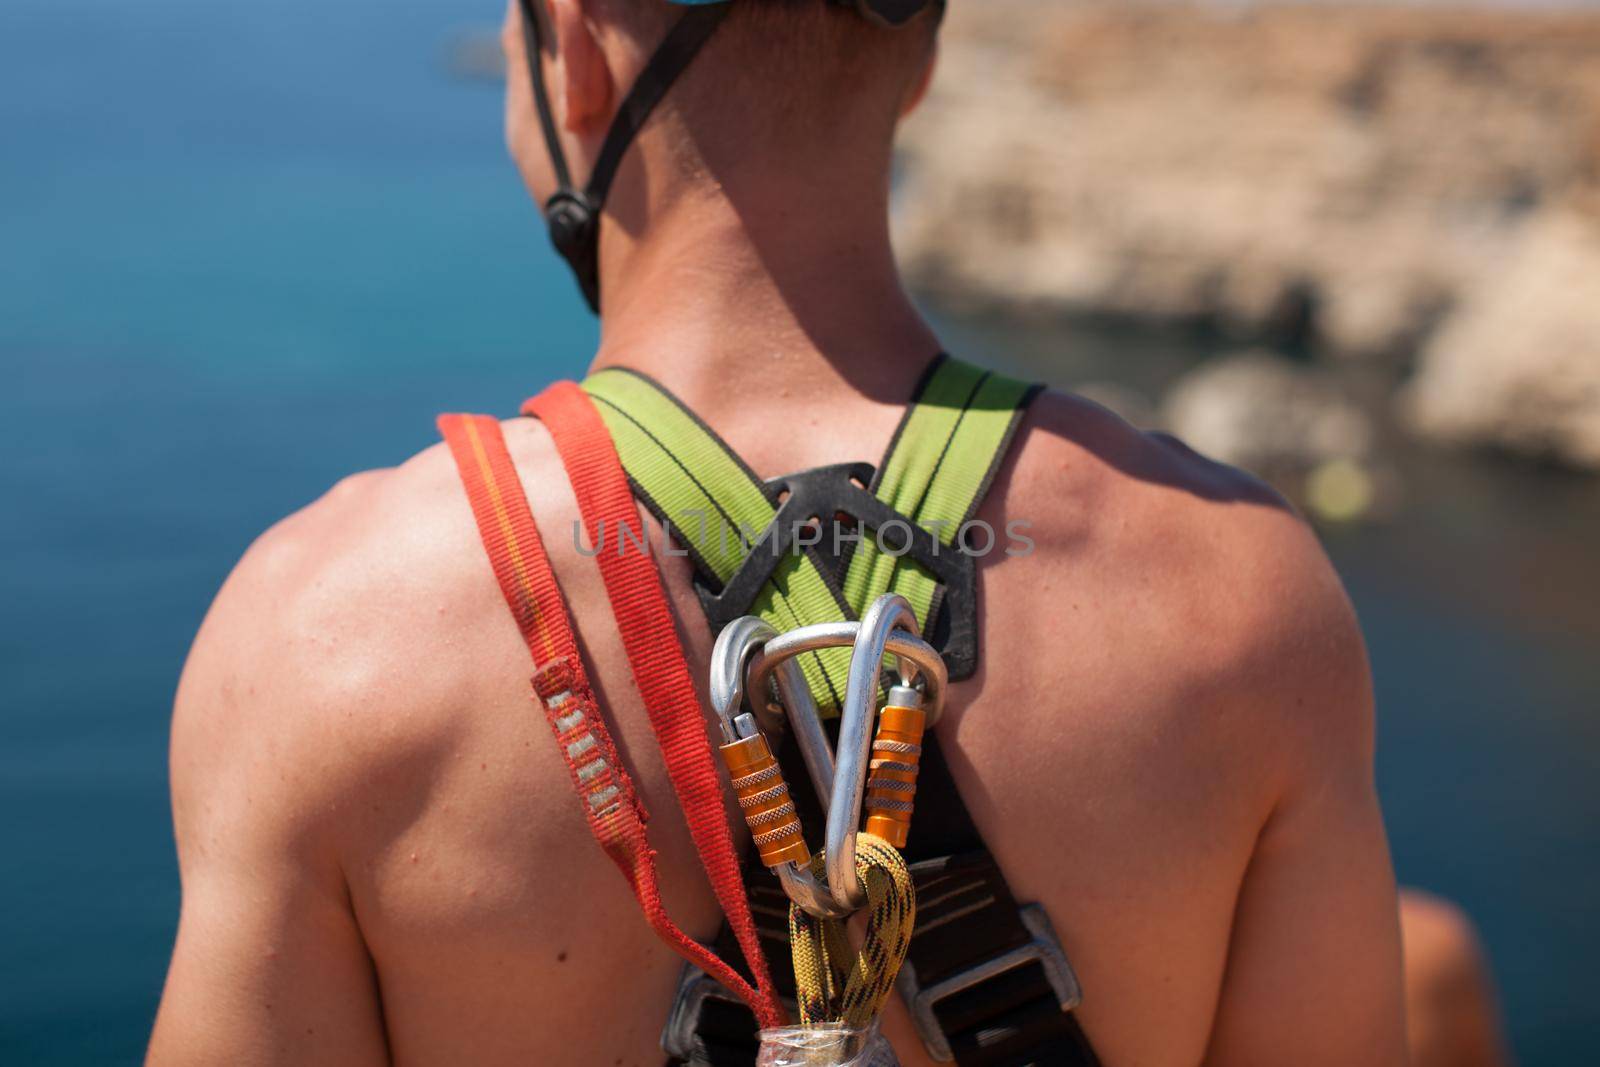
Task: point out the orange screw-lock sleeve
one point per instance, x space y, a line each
892 778
764 796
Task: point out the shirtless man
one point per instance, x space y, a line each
1169 743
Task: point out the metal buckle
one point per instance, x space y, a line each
695 987
1045 950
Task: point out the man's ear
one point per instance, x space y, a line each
582 77
919 88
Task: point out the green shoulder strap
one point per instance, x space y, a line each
716 507
938 467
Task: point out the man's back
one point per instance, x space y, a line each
1167 744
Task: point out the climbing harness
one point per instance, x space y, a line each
743 534
985 978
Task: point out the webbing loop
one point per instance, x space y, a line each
655 657
610 803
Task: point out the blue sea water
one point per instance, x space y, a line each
248 248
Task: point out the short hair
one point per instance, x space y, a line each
792 68
806 62
792 51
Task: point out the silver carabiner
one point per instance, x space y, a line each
887 614
735 645
889 627
738 643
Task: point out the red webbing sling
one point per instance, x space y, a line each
611 805
639 602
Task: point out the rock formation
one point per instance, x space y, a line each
1375 182
1519 363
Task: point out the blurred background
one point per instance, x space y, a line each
248 248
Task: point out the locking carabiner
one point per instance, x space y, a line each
889 627
758 782
888 615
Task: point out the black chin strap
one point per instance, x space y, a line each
573 215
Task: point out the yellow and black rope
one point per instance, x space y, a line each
835 983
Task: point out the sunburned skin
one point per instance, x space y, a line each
1168 744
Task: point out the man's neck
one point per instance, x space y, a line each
722 302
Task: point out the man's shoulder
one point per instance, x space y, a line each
1085 441
1146 497
1215 577
343 580
381 561
338 643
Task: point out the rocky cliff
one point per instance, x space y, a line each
1415 185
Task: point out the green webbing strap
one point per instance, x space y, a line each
715 507
938 467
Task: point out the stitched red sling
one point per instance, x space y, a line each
611 804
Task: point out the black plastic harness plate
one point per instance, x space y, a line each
812 500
